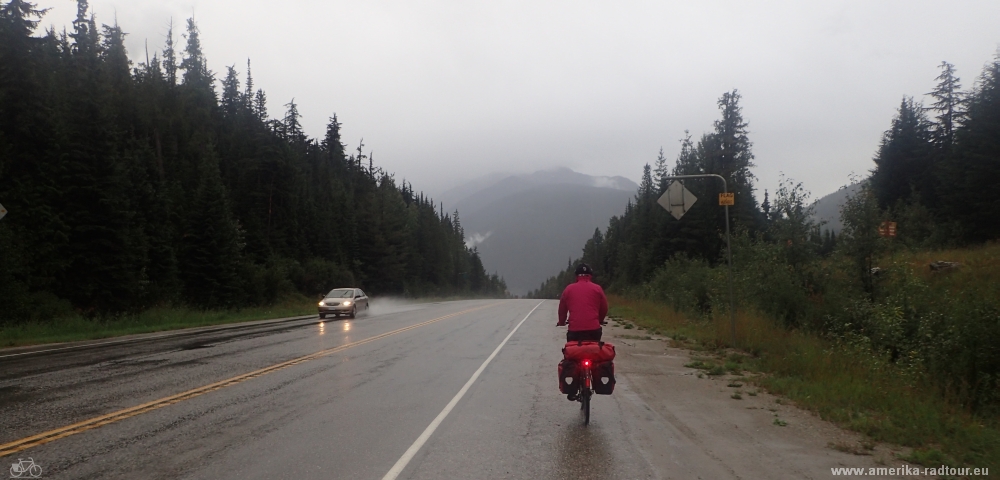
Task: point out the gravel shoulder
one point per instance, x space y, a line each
695 428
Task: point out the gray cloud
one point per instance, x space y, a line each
449 90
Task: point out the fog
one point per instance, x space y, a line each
389 305
446 91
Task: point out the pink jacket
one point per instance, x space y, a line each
586 304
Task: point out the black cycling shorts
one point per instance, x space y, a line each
584 336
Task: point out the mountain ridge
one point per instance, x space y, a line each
525 226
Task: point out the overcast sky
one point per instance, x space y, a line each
444 91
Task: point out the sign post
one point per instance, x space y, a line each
678 200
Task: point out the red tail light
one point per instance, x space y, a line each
586 363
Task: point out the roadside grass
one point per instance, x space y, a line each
853 389
979 269
72 327
75 328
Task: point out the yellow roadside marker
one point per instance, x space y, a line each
52 435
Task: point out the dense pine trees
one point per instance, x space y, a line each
934 174
131 185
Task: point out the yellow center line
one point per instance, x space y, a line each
52 435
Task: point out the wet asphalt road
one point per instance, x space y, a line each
350 414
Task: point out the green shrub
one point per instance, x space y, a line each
686 284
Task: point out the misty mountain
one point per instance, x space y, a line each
827 209
528 226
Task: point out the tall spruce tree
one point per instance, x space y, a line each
975 163
905 156
170 56
196 72
211 243
947 104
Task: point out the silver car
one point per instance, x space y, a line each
343 301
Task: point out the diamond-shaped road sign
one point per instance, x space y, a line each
677 200
3 211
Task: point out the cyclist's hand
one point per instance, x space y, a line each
561 324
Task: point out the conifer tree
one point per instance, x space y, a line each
211 242
731 157
975 163
947 104
232 99
331 142
248 94
196 72
905 156
661 172
292 127
170 56
86 39
260 105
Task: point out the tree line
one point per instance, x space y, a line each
864 292
933 175
135 185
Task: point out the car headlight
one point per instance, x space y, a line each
347 303
322 303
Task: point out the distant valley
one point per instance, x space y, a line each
528 226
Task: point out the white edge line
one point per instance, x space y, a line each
412 451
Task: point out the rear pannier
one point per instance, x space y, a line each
604 378
596 352
567 377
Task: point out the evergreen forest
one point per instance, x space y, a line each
159 183
931 176
923 306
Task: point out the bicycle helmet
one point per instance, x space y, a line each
584 269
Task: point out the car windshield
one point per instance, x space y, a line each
341 293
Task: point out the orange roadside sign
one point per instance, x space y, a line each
727 199
887 229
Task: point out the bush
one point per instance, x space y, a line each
686 284
932 336
767 283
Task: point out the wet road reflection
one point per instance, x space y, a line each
584 452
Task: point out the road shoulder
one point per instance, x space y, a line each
703 426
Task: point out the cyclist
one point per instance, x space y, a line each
586 305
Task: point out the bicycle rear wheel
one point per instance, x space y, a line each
586 406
